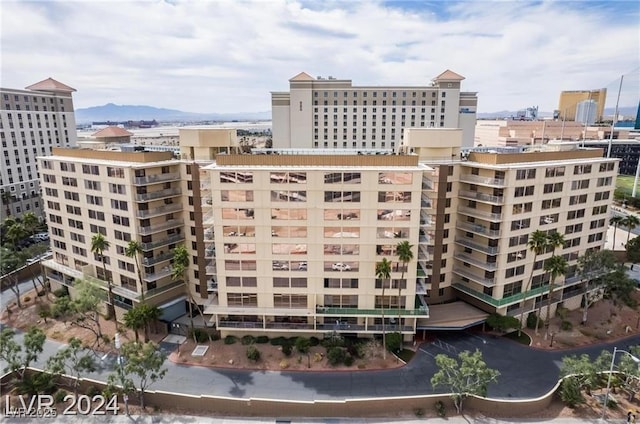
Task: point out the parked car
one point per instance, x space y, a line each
40 237
339 266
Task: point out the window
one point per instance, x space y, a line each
578 199
518 240
94 200
512 289
342 177
511 272
603 195
96 215
92 185
68 181
603 181
575 228
525 174
524 191
290 301
581 169
289 177
67 167
556 171
575 214
288 196
91 169
236 177
236 195
520 224
595 237
117 188
342 196
119 204
597 210
607 166
522 208
242 299
115 172
394 196
552 188
582 184
551 203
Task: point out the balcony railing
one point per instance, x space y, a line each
482 248
156 178
422 312
161 210
172 223
164 272
488 282
476 179
169 240
145 197
477 228
489 266
499 302
480 213
483 197
158 290
157 259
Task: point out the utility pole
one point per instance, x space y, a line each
613 123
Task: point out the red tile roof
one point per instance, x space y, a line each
50 85
112 132
449 75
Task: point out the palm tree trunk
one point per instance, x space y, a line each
547 317
524 295
615 228
111 307
384 337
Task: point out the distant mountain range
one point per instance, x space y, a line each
119 113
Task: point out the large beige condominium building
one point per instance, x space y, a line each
330 113
32 122
569 101
500 199
147 197
287 240
298 234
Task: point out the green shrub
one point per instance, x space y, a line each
394 342
570 392
303 345
278 341
229 340
333 339
314 341
502 323
199 334
61 292
262 339
348 360
419 412
253 353
440 409
58 397
286 349
566 326
335 355
247 340
531 321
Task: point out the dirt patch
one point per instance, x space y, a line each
606 322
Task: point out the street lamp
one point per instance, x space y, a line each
125 397
613 359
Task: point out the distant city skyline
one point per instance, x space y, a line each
226 57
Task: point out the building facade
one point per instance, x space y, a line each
330 113
32 122
287 240
569 100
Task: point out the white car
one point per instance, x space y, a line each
339 266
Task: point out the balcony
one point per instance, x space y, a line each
159 290
477 228
463 272
426 202
421 312
156 178
489 266
496 217
157 259
169 240
161 210
158 275
145 197
172 223
482 248
207 219
483 197
476 179
499 302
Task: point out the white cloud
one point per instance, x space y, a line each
226 56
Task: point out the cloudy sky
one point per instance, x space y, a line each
226 56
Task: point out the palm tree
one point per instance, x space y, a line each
15 233
537 244
383 273
615 220
133 249
179 271
555 266
133 319
631 222
150 313
30 222
405 255
98 245
554 240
